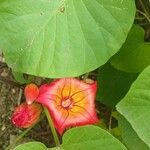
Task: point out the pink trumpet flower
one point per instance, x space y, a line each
70 102
26 115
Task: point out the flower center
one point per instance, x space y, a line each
66 103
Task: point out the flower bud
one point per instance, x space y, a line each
31 93
26 115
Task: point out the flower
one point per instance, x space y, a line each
31 92
26 115
70 102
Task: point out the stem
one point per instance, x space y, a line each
143 6
22 135
86 76
19 138
20 96
139 18
145 15
56 139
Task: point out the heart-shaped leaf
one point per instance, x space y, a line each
134 56
31 146
57 38
84 138
129 136
135 107
19 77
90 137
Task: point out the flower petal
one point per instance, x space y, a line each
80 110
31 93
26 115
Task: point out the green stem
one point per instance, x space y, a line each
19 138
56 139
22 135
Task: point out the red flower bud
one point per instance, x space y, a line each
26 115
31 93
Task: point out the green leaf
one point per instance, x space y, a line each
116 132
113 84
90 137
19 77
55 148
135 106
81 138
129 136
31 146
59 38
134 55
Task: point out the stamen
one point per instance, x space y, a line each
66 103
